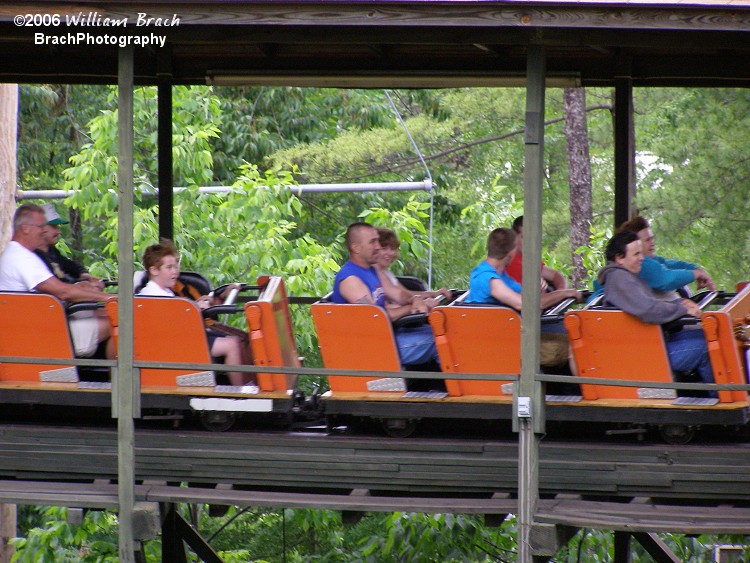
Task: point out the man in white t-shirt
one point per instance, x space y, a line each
22 270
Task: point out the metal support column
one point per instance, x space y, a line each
624 150
124 405
164 142
529 407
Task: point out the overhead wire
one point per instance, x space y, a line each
429 178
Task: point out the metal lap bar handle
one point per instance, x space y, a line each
221 310
232 295
559 308
707 299
83 306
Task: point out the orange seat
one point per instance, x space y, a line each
741 285
33 325
354 336
615 345
271 335
726 352
477 340
166 329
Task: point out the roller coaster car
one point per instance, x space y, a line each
477 340
172 329
34 325
725 348
271 335
359 337
166 329
611 344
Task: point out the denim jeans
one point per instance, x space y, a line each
687 350
416 345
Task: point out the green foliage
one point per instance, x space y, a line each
493 208
415 537
51 128
409 225
261 121
694 185
593 255
54 540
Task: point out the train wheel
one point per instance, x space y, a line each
676 433
399 427
218 421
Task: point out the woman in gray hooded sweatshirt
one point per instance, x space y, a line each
623 289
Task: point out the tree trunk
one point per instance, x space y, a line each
579 173
8 136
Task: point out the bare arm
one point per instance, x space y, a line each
354 290
554 297
504 294
74 293
396 293
554 278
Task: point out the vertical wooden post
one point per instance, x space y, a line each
8 158
166 180
530 422
624 150
622 547
124 402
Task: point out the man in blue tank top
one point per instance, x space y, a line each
358 282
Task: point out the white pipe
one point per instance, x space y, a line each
425 185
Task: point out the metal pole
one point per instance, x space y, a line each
530 405
425 185
123 403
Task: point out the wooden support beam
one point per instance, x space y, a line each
172 546
354 516
164 142
547 539
496 520
123 403
622 547
655 547
530 424
624 150
180 532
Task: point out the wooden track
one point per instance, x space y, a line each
627 485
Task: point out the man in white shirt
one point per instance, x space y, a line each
22 270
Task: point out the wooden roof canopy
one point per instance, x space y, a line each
384 43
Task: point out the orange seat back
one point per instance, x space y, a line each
166 329
271 335
741 285
32 325
726 351
356 337
616 345
477 340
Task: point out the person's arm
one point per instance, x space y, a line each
395 292
75 293
624 291
354 290
504 294
547 300
660 278
701 276
554 278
